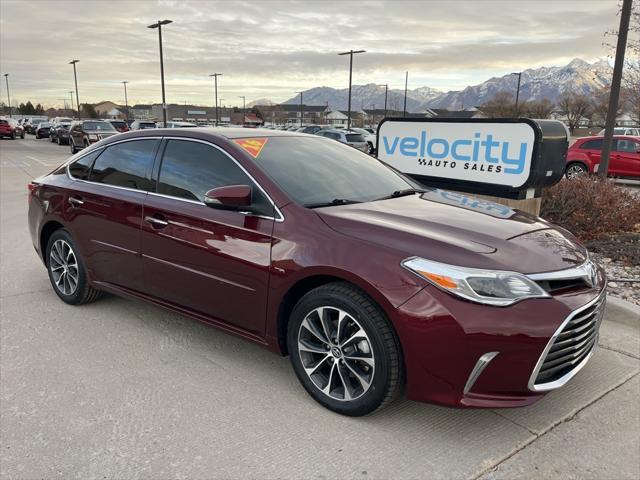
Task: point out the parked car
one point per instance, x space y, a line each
311 129
59 133
624 161
57 120
350 137
369 137
177 125
370 285
142 125
83 133
10 128
32 125
42 130
623 131
120 125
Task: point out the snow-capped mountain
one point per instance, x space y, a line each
536 83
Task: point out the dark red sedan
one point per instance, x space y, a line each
10 128
313 249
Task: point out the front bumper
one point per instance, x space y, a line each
462 354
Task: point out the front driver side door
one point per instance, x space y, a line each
212 262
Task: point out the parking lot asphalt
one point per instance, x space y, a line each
120 389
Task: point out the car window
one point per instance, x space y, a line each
191 169
80 168
592 145
312 170
126 164
623 145
354 138
98 126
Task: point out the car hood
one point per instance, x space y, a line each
460 230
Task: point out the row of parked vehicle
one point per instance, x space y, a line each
361 138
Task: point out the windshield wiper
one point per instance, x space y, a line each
334 202
402 193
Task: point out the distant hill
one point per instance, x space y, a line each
537 83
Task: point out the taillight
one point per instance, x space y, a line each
32 187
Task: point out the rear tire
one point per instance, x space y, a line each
344 350
575 169
72 147
13 135
66 270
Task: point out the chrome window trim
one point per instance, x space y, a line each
544 387
280 217
479 367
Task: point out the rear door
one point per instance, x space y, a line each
105 209
625 157
213 262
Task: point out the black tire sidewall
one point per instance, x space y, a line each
377 392
79 294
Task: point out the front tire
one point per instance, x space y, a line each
72 147
66 270
575 169
344 350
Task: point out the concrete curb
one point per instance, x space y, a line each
621 311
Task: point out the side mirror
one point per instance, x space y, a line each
637 148
230 197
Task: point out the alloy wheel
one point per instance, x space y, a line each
336 353
64 267
575 170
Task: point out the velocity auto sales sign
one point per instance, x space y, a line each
485 152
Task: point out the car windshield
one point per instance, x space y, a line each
354 138
315 171
64 124
101 126
45 124
118 124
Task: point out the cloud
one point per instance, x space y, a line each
273 48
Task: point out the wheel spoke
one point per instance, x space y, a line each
314 330
345 383
325 322
341 326
327 388
314 369
363 381
358 358
306 346
358 334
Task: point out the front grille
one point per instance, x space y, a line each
562 285
570 346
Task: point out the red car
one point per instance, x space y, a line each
584 156
10 128
311 248
120 125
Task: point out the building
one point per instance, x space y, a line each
109 109
141 112
292 114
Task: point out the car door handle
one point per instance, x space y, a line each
156 222
75 201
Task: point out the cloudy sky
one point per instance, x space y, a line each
271 49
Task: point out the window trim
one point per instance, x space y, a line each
158 158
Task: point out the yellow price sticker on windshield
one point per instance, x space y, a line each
253 146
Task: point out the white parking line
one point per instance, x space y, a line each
37 160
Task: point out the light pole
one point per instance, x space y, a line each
244 102
71 104
350 53
301 111
75 77
215 78
386 91
406 82
6 77
517 89
158 25
126 100
614 94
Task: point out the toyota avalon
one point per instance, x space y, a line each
371 284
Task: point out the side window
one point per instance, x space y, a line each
592 145
191 169
126 164
624 145
80 168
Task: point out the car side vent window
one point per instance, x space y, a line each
126 164
191 169
80 168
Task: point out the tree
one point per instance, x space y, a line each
501 105
538 108
89 110
27 108
631 91
575 107
600 105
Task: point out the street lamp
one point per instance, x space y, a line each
6 77
158 25
350 53
386 90
215 78
517 89
71 104
75 77
126 100
406 82
301 111
244 102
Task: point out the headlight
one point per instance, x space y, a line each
92 136
491 287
